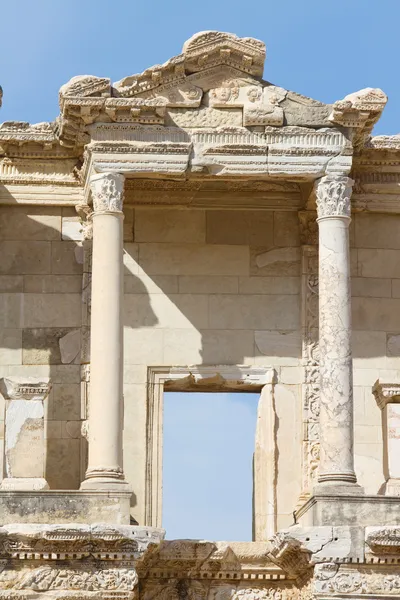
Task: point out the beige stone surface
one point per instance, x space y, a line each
276 262
254 312
208 284
181 259
30 223
170 225
25 257
286 229
52 310
377 231
378 263
64 258
376 314
253 228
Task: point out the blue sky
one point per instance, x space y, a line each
318 48
207 465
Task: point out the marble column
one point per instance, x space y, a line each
106 341
336 388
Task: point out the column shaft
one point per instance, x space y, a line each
106 341
336 396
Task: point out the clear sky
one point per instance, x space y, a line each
319 48
207 465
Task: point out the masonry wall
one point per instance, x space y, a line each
41 307
214 287
201 287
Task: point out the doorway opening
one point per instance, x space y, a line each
208 448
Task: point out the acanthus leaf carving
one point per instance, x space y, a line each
107 192
333 195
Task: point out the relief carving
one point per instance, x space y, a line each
333 196
107 192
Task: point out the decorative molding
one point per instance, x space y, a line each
310 356
289 554
383 540
27 389
348 581
107 192
333 196
385 393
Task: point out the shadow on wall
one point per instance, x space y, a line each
201 287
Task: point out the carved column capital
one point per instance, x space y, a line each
107 192
333 195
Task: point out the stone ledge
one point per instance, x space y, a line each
352 510
64 506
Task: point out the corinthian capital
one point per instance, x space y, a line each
333 196
107 192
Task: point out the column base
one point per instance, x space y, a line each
111 478
105 484
392 487
24 484
337 488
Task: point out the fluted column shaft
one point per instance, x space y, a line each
106 341
336 415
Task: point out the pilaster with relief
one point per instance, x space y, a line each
310 351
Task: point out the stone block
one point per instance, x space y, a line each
156 284
269 285
30 223
380 263
170 225
52 310
189 346
279 343
52 284
371 287
376 314
10 346
186 259
279 262
71 429
66 373
181 311
66 400
63 464
41 346
365 377
71 507
254 312
393 344
11 311
70 347
53 429
25 257
374 230
207 285
291 375
64 259
11 283
368 344
286 229
246 227
396 288
143 346
129 220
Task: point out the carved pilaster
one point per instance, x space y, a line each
310 352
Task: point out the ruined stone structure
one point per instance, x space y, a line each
197 227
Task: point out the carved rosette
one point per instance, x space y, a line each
107 192
333 196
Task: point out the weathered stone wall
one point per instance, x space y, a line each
201 287
40 304
214 287
376 333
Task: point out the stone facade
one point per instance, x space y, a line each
197 227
